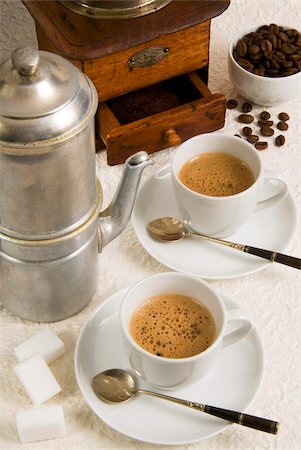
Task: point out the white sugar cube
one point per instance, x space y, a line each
45 343
37 379
38 424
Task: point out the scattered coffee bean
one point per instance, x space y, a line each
265 123
280 140
267 131
284 116
269 51
246 107
265 115
260 145
253 139
247 131
283 126
245 118
232 103
237 135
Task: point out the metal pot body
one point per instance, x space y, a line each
49 280
51 192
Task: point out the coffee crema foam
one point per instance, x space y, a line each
216 174
172 326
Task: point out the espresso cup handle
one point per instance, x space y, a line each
273 175
244 326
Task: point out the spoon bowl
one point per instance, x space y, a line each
118 385
114 385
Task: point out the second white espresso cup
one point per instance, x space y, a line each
222 216
173 373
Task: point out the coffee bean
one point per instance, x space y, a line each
273 40
295 57
287 64
253 50
283 126
245 64
266 64
268 45
252 139
283 36
279 56
247 131
267 131
245 118
298 65
287 48
284 116
260 145
274 64
241 48
273 72
265 115
273 28
263 28
265 123
255 58
288 72
280 140
246 107
232 103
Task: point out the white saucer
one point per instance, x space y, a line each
271 229
232 383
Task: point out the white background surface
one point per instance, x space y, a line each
272 295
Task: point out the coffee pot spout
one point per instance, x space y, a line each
114 218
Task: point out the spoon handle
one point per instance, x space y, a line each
259 423
262 253
274 256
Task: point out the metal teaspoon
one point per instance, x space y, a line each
117 385
172 229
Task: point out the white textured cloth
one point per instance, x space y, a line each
272 295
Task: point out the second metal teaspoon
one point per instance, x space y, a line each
117 385
172 229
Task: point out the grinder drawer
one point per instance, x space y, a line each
154 118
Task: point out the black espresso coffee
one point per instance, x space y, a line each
173 326
216 174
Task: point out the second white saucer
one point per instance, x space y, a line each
232 383
271 229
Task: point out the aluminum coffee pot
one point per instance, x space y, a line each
51 224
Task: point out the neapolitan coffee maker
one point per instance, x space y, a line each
51 224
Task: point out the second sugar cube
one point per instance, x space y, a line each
37 379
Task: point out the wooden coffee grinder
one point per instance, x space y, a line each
150 71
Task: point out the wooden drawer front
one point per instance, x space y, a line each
199 116
188 51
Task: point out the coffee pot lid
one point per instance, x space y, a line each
43 97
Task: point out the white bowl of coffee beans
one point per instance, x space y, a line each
265 64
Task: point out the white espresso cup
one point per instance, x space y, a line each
222 216
173 373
